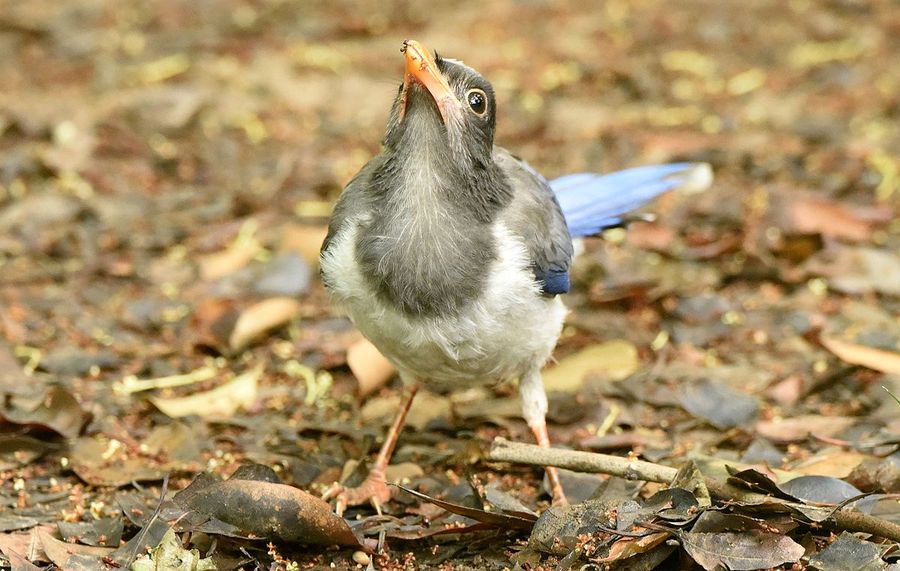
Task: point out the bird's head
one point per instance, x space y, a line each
443 105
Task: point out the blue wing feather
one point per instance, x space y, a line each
591 203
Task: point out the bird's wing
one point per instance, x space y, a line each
535 217
352 203
593 202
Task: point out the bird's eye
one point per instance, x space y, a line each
477 101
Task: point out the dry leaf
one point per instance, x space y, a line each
261 317
268 509
741 551
800 427
220 402
836 463
230 260
817 215
870 357
616 359
62 553
55 409
371 369
305 240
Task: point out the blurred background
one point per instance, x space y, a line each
167 169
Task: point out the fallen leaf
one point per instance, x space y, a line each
426 407
269 509
875 474
825 490
716 521
105 532
228 261
169 555
807 214
260 318
55 409
286 274
558 528
800 427
220 402
72 556
848 552
102 461
830 462
501 519
722 406
631 546
304 239
13 379
870 357
18 451
615 359
745 551
857 270
371 369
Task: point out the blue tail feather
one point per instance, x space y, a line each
592 202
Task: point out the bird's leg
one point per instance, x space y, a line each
375 489
534 409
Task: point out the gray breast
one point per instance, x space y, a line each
426 264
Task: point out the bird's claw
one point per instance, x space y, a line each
374 490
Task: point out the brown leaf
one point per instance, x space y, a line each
12 379
848 552
72 556
870 357
220 402
518 520
55 409
304 239
818 215
856 270
100 461
832 462
261 317
630 546
800 427
741 551
616 359
371 369
230 260
272 510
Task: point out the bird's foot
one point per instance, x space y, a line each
556 489
373 490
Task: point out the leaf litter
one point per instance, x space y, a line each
164 184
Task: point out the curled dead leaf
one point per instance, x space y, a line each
271 510
869 357
55 409
371 369
219 402
260 318
616 359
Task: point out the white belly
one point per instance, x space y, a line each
509 330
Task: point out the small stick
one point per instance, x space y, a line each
503 450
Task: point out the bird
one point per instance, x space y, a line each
450 254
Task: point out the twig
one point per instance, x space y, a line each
162 497
505 451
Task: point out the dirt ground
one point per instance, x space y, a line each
166 173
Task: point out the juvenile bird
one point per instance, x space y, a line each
449 253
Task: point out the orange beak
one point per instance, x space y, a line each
422 69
